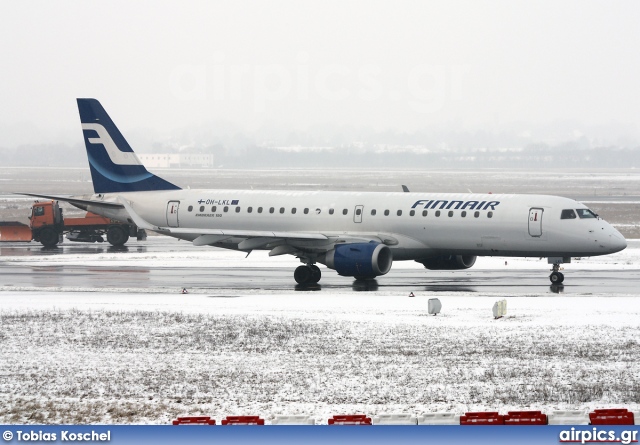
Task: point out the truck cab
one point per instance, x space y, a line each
46 213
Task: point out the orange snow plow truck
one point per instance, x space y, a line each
47 226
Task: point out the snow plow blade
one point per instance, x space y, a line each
14 231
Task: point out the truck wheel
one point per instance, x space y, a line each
48 237
117 236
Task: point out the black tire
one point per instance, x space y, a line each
117 236
49 237
315 273
303 275
556 277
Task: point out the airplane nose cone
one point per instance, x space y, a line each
616 241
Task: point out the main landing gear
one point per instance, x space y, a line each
308 274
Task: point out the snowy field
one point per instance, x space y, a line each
105 355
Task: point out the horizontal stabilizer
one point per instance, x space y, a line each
78 202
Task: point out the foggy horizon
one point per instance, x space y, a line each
454 76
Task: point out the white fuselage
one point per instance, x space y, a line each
413 225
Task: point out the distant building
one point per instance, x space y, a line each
176 160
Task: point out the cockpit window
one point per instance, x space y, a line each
586 213
568 214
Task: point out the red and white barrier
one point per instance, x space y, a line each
350 419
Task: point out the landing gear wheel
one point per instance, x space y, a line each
303 275
117 236
556 277
315 273
48 237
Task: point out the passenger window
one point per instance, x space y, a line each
293 211
306 211
437 212
476 214
450 213
425 213
202 208
386 213
189 209
213 209
259 209
373 212
489 214
226 209
237 209
412 213
249 209
586 213
271 210
345 211
358 212
463 214
330 211
399 213
281 209
568 214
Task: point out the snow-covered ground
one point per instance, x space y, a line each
129 356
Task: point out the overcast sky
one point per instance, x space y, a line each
394 65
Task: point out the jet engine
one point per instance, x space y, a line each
360 260
448 262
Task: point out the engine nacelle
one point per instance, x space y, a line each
366 260
448 262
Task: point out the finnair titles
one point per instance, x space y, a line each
441 204
357 234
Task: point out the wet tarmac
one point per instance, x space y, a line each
527 282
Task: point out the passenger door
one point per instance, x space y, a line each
172 213
535 221
357 214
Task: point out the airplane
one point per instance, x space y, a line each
357 234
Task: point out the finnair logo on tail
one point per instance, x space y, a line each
116 155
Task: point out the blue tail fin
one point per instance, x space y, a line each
114 166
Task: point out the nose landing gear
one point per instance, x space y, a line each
556 276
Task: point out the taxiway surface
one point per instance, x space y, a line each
157 264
